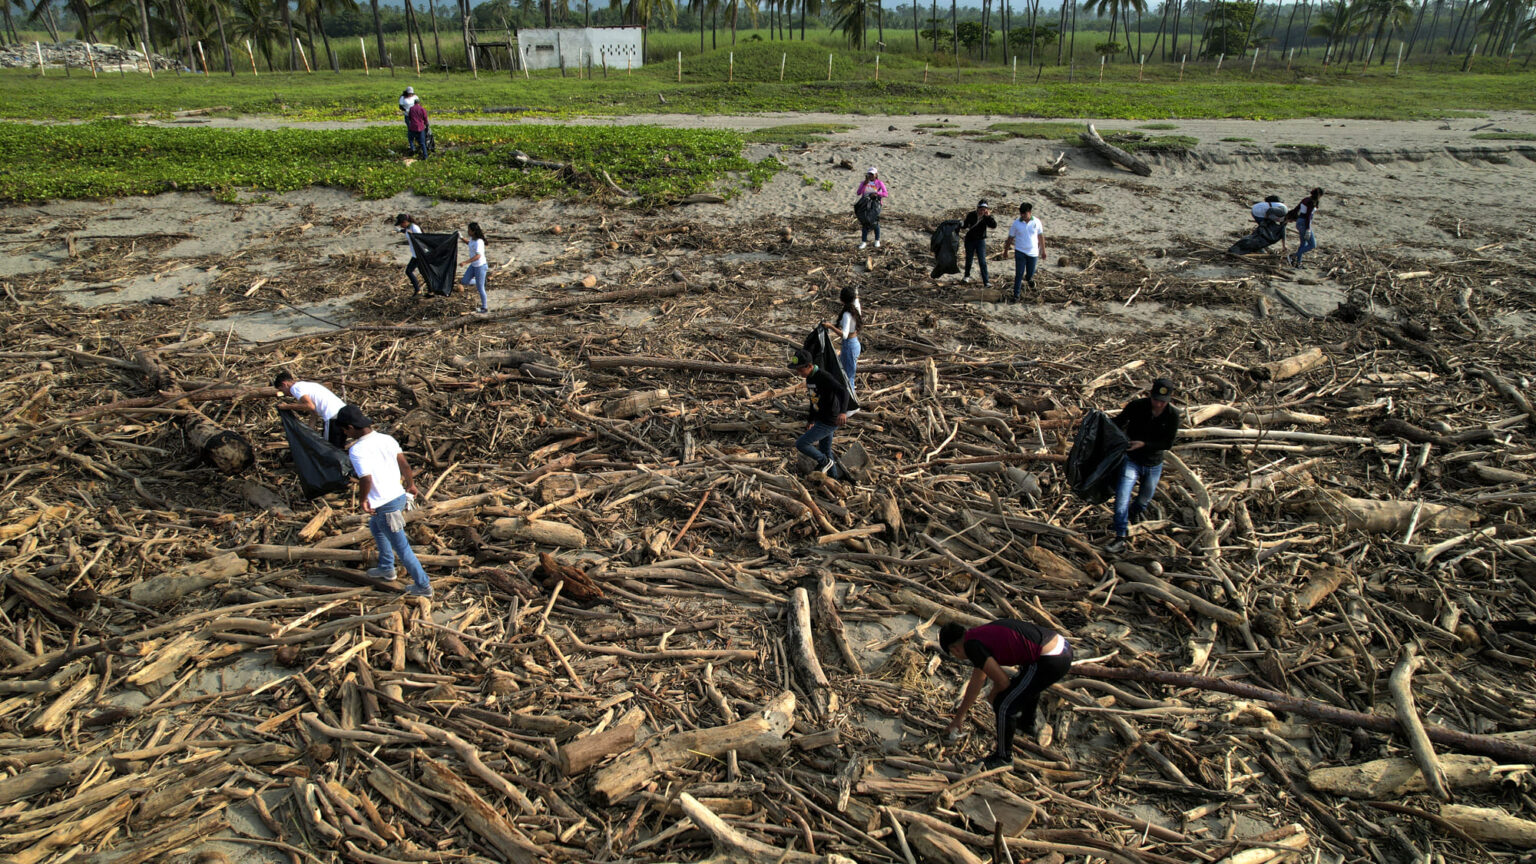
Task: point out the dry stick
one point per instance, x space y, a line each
1400 683
1485 745
703 499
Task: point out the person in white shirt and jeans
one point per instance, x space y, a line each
317 399
477 269
385 483
1028 239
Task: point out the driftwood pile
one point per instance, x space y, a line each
655 639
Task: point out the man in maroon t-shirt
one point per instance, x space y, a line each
1042 656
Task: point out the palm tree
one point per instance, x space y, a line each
852 19
1397 11
1116 7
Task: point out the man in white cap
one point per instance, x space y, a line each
872 185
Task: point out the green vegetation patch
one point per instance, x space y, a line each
1158 127
1141 142
935 126
797 134
473 163
1505 136
1303 148
1238 140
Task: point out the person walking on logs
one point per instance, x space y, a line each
976 224
407 225
1152 425
1028 238
828 410
850 319
1042 656
416 127
317 399
385 485
872 193
1302 216
477 269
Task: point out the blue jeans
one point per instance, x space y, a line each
865 229
817 443
1306 244
1023 270
474 275
394 544
418 140
1124 508
849 358
978 249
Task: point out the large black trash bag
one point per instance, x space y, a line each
438 257
945 244
819 346
323 467
1097 458
1265 234
867 208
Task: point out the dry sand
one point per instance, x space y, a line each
1425 189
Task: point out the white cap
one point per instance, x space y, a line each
873 171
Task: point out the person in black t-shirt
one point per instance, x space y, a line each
976 224
1152 425
828 410
1042 657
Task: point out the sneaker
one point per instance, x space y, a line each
381 574
482 311
965 280
994 762
828 467
419 592
877 244
1116 546
863 245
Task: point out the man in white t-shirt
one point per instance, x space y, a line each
1028 239
317 399
385 485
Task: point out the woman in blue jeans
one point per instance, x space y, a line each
476 271
850 319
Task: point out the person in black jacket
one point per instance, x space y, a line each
828 410
1152 425
976 224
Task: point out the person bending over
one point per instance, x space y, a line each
1042 656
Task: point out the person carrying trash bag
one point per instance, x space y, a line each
1269 231
849 320
828 410
1152 426
317 399
872 193
976 224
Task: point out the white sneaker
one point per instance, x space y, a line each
866 245
827 468
877 244
965 280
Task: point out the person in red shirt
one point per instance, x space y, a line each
416 127
1042 657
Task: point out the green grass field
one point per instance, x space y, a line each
906 84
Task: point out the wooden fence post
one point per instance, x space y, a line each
39 46
783 58
200 54
360 43
90 57
302 55
151 61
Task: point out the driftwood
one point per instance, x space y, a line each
802 649
225 450
1113 153
1054 168
189 579
1389 517
579 754
1413 728
1491 824
1290 367
1395 778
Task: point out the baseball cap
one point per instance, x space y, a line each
351 415
799 359
873 170
1162 389
983 203
410 91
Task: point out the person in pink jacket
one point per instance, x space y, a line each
416 127
872 185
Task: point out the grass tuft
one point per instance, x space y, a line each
1158 127
1141 142
1304 148
795 134
1034 129
1505 136
1238 140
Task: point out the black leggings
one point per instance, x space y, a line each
1022 696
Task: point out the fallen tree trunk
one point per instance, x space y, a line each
1114 154
1396 777
733 846
225 450
1389 517
1491 824
802 653
188 579
1486 745
1290 367
760 733
579 754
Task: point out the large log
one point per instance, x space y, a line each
225 450
830 621
1389 517
1114 154
187 579
157 375
1290 367
1502 749
1396 777
539 531
579 754
761 733
802 653
1491 824
481 817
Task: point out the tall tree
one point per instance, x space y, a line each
437 45
852 20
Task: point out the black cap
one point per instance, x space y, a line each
351 415
799 359
983 203
1162 389
402 217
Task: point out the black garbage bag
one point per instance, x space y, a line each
438 257
1265 234
323 467
818 344
867 209
431 140
1097 457
945 244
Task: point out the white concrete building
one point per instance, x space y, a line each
574 47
